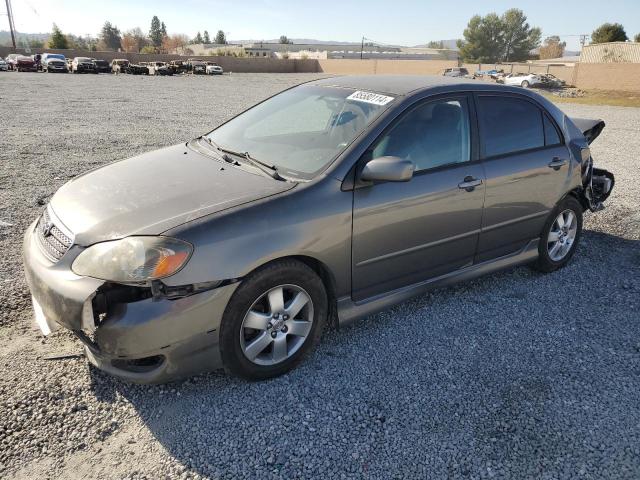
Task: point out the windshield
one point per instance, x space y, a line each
301 130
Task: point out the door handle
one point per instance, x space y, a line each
469 184
557 162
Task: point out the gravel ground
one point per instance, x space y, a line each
515 375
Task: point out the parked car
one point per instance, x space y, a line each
455 72
119 65
194 61
551 81
101 66
524 80
198 68
83 65
11 60
214 69
159 68
178 66
46 57
271 226
3 65
138 69
56 65
493 73
25 64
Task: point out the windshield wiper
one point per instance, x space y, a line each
264 167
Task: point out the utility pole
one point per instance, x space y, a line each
11 27
583 39
361 46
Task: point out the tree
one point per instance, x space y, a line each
491 38
148 49
163 29
80 43
483 40
609 32
285 40
129 44
57 39
35 43
637 38
172 42
552 48
155 33
437 45
197 39
205 37
110 37
519 37
220 38
133 40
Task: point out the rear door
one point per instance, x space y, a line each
407 232
526 164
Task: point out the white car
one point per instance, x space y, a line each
3 66
524 80
214 69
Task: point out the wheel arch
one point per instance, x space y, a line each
578 194
326 276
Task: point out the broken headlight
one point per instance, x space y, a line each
133 259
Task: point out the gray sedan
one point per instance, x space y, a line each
325 203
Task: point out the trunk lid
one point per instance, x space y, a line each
153 192
590 128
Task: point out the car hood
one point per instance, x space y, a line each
153 192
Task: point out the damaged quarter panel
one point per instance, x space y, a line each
231 244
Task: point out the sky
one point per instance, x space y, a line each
400 22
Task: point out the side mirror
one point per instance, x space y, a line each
388 169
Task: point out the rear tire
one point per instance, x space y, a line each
292 282
560 236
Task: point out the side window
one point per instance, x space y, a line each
431 135
551 136
509 125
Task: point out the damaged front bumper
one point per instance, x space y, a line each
131 332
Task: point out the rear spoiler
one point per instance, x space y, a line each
591 129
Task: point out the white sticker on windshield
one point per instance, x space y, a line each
369 97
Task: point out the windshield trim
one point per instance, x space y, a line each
308 176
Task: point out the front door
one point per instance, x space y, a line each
407 232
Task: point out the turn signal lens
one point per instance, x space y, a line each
133 259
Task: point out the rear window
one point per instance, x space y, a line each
509 125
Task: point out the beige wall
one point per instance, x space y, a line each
596 76
373 67
608 76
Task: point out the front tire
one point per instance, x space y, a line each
525 84
560 236
273 321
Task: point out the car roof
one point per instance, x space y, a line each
394 84
411 85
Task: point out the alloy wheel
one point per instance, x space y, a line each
562 235
276 325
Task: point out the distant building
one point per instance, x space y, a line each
323 50
614 52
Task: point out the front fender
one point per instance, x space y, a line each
312 220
